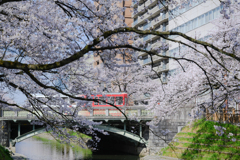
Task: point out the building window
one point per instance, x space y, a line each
100 102
119 100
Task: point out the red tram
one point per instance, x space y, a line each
118 99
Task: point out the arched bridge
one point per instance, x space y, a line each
28 135
118 131
19 122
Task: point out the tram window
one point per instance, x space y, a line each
96 103
110 100
119 100
101 103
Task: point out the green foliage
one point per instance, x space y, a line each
4 154
201 142
78 135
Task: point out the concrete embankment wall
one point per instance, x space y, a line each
174 124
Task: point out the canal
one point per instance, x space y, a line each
42 150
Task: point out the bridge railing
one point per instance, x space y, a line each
117 113
139 111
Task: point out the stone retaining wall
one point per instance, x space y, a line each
157 140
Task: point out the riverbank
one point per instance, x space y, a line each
18 156
200 141
4 154
9 154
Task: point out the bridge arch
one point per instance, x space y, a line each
118 131
28 135
124 133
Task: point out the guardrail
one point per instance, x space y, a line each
223 115
93 113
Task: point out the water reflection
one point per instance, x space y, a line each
39 150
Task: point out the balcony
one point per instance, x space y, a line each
162 68
141 54
164 17
140 8
155 58
147 26
161 5
135 22
149 61
148 2
140 28
143 18
156 20
154 10
163 28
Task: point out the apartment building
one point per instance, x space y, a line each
194 19
152 14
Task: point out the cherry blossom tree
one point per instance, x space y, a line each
45 41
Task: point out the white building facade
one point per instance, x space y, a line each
194 19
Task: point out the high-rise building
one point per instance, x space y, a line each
194 19
152 14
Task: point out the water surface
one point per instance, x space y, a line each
39 150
